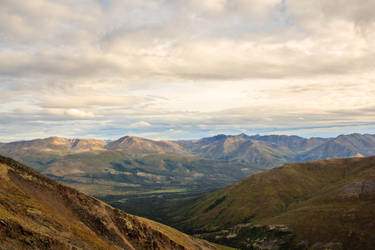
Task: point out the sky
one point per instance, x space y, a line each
182 69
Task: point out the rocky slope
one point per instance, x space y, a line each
38 213
323 203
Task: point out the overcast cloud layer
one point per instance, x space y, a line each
186 69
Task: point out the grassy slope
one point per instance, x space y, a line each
36 212
319 201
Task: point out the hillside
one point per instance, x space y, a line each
38 213
320 202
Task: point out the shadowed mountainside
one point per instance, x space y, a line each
326 202
38 213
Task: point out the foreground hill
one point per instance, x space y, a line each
38 213
327 203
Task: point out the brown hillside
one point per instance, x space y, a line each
38 213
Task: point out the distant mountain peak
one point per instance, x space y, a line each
127 138
220 136
243 135
213 138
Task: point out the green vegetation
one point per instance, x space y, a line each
319 201
247 236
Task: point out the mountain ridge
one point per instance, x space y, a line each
272 150
275 150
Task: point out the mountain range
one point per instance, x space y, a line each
267 150
38 213
274 150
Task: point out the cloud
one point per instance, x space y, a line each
199 67
210 5
79 113
171 44
140 124
90 100
74 113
